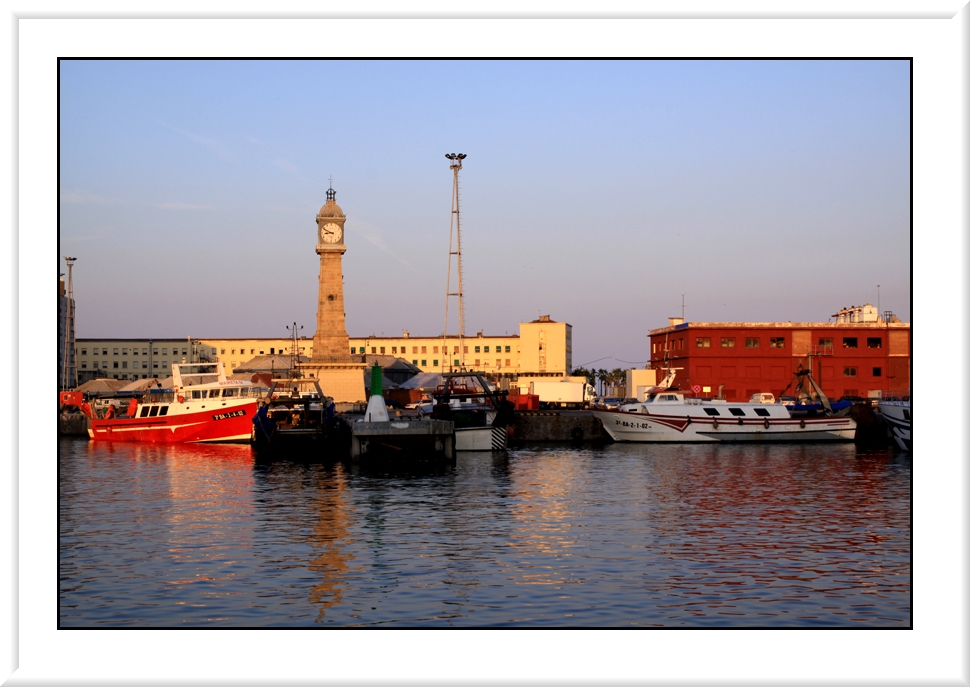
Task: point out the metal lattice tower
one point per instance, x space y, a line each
69 372
454 250
294 349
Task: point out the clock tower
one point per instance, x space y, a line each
330 342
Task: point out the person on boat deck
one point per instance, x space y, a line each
132 407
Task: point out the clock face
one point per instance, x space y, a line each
331 233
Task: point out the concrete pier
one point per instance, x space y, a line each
72 425
403 439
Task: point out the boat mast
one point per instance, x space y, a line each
294 351
70 366
454 249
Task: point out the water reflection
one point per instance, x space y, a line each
621 535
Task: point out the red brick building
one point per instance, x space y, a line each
846 358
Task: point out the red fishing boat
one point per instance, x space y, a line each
201 406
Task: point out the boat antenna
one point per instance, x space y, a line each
69 372
454 250
294 351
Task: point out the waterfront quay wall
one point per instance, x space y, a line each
561 425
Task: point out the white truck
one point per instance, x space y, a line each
563 394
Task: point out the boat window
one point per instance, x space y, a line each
197 394
738 412
214 393
227 393
763 412
153 412
144 411
906 414
163 411
671 397
243 392
711 411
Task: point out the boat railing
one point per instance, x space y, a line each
895 396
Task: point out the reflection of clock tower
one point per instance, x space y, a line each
330 342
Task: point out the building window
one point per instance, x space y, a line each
849 372
478 362
825 343
414 349
134 364
124 364
424 363
414 362
155 365
877 372
394 349
466 349
382 350
124 351
486 349
874 342
95 350
435 362
478 349
164 351
144 351
727 342
424 349
116 351
116 365
456 363
272 351
776 342
508 349
435 349
84 351
353 349
373 350
508 362
84 365
104 351
850 342
752 342
703 342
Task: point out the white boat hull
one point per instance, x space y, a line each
687 427
898 416
481 438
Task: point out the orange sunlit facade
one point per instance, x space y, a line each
846 359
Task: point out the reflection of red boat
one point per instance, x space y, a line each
201 406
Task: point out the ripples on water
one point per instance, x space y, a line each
624 535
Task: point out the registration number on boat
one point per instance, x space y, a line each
223 416
634 425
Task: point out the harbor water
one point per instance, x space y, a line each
623 535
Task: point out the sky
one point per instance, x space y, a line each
601 193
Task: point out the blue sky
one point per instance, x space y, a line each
596 192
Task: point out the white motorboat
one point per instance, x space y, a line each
666 414
669 416
898 413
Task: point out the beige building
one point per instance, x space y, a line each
542 348
136 358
